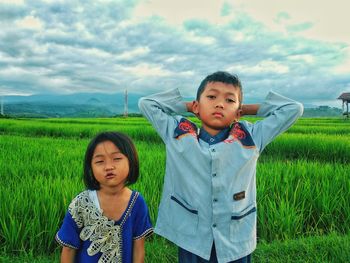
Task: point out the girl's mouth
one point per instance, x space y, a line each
110 175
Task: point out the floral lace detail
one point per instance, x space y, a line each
104 235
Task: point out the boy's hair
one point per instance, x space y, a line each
126 147
224 77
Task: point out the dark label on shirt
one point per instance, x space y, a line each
239 196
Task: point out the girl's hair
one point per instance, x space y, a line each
126 147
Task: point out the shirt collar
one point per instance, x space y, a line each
205 136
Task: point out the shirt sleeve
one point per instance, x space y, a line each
279 114
142 222
160 109
68 234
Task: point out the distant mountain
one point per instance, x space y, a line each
72 105
100 105
322 111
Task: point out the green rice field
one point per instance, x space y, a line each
303 187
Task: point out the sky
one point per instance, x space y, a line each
298 48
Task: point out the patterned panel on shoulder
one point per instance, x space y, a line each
239 133
185 127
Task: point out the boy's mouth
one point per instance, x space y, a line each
218 114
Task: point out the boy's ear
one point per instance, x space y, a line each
195 107
239 113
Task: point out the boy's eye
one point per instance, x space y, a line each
211 97
230 100
99 162
117 158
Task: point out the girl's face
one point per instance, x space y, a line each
109 166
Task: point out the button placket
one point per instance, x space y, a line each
214 190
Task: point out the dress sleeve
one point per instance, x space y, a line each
160 109
68 234
279 114
142 222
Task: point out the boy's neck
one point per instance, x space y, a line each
213 132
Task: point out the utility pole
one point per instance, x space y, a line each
126 103
2 106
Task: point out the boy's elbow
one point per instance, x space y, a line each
141 104
299 109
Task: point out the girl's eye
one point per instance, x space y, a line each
211 97
117 159
99 162
230 100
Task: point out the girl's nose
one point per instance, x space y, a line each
109 166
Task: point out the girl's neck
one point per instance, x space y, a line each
113 192
114 203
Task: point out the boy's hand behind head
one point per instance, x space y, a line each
189 106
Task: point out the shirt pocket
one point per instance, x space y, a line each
243 225
184 217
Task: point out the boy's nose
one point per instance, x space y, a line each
219 105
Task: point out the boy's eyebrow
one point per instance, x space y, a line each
217 90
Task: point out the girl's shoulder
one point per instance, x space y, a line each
82 198
81 207
139 202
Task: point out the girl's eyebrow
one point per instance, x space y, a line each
97 156
102 155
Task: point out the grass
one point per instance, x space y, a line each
302 187
331 248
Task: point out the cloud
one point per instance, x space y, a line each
150 46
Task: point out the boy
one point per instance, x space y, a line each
208 205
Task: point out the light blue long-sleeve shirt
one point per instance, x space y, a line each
209 192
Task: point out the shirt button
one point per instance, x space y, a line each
213 150
212 140
214 175
214 225
215 200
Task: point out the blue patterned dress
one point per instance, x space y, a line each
99 239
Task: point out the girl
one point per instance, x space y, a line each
108 222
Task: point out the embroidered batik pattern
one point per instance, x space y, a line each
185 127
104 235
239 133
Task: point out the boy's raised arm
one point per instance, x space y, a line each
250 109
160 109
279 114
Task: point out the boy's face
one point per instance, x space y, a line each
218 106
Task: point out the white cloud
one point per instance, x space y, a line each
344 67
329 19
13 2
146 70
176 12
265 66
132 54
306 58
207 40
30 22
